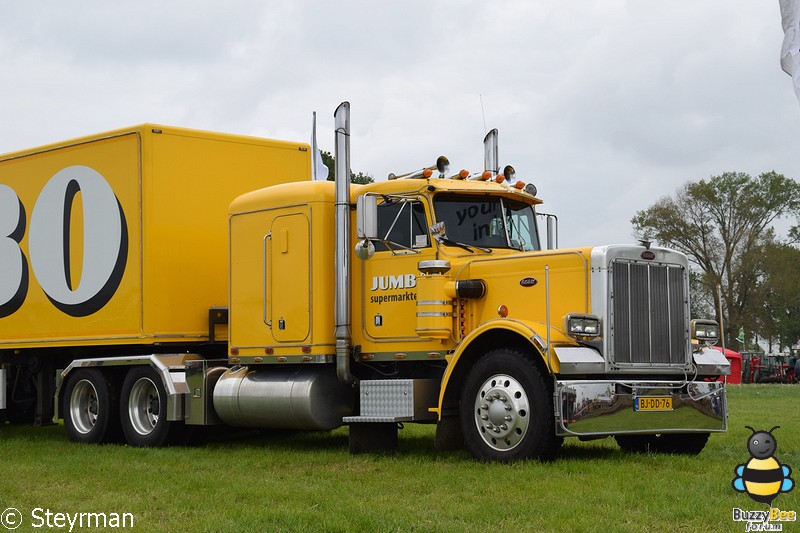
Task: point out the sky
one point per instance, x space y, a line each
605 105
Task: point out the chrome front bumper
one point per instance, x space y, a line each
596 408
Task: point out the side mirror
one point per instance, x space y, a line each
366 225
367 217
552 232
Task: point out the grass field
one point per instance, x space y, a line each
309 482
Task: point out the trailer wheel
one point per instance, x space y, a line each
91 407
143 409
507 411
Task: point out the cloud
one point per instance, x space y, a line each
605 105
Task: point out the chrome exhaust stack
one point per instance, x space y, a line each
342 259
491 154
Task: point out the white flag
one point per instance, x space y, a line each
790 53
318 169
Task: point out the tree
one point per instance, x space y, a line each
724 224
330 162
778 320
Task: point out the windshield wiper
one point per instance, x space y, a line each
468 247
438 232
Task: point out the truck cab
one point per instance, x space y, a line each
460 317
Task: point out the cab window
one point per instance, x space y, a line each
401 226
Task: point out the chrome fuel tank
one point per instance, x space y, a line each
306 397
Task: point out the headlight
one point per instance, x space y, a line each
583 326
705 331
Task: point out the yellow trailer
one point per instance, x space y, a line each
120 239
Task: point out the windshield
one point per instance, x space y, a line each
487 221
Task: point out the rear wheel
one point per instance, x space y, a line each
143 409
90 413
507 411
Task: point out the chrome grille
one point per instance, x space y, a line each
649 313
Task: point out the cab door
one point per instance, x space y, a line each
288 271
390 276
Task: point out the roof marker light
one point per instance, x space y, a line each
442 165
483 176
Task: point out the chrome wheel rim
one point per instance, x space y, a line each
502 413
83 406
144 406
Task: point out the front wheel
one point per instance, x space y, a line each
681 443
669 443
507 411
636 443
143 409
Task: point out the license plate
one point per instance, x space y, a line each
652 403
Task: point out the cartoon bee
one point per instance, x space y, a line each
762 477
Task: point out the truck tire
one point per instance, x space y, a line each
670 443
681 443
506 410
636 443
90 414
143 409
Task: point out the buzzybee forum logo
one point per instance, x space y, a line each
763 478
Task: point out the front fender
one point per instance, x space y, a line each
534 334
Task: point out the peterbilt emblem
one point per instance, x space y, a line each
528 282
648 255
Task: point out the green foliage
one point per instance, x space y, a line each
254 481
779 293
330 162
725 226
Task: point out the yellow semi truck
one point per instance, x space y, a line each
158 278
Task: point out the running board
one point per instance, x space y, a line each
396 400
